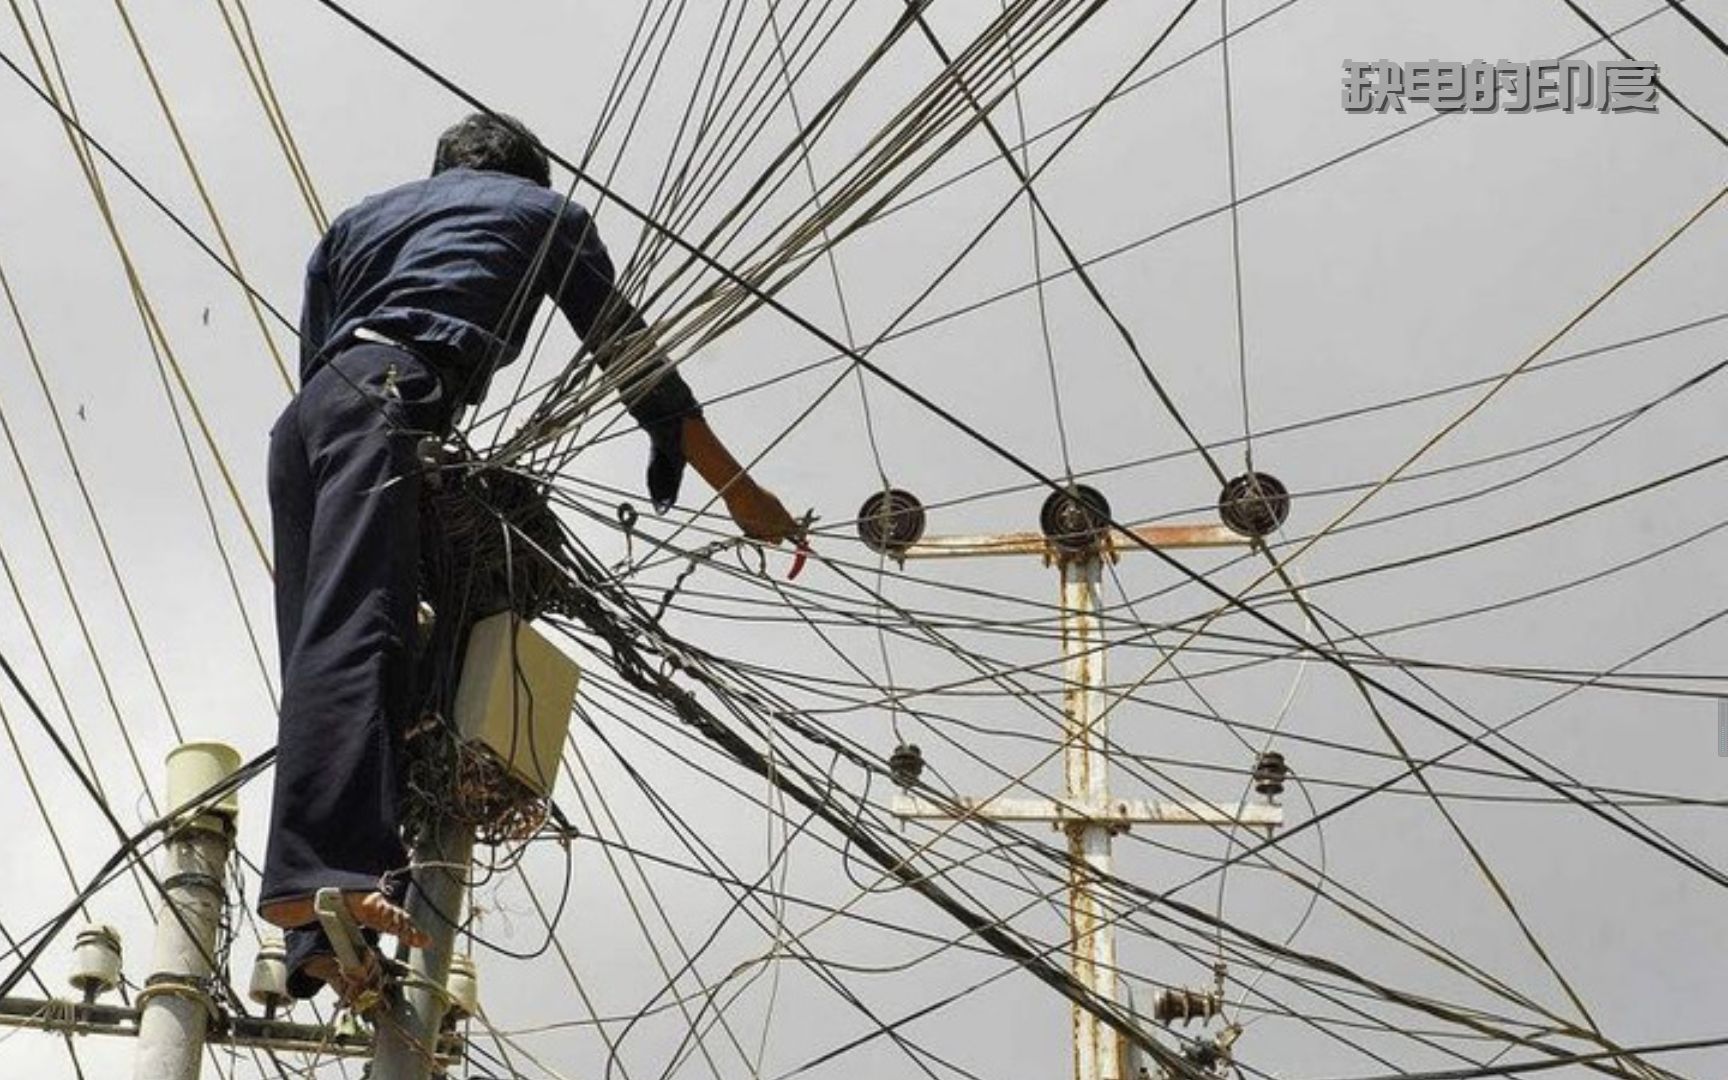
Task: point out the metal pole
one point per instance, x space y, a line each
175 1007
1097 1051
408 1035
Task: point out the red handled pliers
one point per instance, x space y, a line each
801 544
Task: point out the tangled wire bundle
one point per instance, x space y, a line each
489 543
455 781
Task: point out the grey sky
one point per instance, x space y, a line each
1448 254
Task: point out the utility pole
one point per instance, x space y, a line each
513 702
408 1033
177 1014
1085 767
1075 535
176 1007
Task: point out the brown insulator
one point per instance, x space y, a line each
1254 504
1269 774
1182 1005
906 764
1075 519
891 521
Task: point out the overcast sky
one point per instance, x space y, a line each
1453 253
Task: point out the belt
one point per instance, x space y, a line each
366 333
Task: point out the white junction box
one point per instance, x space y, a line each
515 696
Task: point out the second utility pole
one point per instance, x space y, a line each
1085 767
1075 536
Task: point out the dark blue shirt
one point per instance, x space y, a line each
455 266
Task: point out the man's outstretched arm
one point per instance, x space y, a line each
757 511
668 410
582 281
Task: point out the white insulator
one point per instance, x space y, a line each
463 986
96 961
269 986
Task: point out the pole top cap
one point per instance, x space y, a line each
194 768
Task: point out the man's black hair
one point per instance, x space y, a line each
496 143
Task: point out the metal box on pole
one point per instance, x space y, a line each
514 698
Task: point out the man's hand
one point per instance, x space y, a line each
758 512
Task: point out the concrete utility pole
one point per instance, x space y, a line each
176 1007
1075 536
177 1014
513 700
408 1033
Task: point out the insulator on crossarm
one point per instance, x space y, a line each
890 521
269 983
463 986
906 764
1180 1005
1270 772
1075 519
95 961
1254 505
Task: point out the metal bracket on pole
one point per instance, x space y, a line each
340 927
350 945
84 1018
1033 543
1117 815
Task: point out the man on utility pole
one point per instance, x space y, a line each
413 299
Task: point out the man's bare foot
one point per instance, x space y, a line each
352 987
370 909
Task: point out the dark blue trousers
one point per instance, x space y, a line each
345 508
